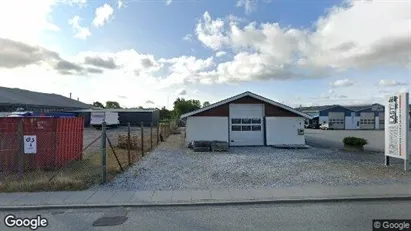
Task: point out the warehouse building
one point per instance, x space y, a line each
13 99
247 119
367 117
133 116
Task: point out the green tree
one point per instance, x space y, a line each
206 104
182 106
98 104
165 114
112 104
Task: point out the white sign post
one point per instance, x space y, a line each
396 129
30 144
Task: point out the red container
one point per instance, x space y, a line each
59 141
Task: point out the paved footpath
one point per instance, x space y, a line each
80 199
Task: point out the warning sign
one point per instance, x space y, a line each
30 144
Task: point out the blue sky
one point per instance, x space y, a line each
150 52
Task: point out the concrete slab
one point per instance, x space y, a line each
142 196
8 198
259 193
197 195
100 197
220 194
162 196
57 198
181 196
79 197
121 196
241 194
34 198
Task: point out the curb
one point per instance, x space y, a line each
210 203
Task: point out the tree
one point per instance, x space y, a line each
182 106
165 114
112 104
206 104
98 104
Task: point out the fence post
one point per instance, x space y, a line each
142 138
128 144
103 152
20 154
151 136
158 133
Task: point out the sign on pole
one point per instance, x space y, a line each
397 129
30 144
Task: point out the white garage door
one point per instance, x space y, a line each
246 124
336 120
367 120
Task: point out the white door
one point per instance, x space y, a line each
367 120
246 124
336 120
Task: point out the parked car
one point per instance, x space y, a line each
325 126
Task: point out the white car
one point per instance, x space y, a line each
325 126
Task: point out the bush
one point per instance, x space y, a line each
354 141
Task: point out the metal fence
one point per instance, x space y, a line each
66 160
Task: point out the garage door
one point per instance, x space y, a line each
382 120
336 120
367 120
246 124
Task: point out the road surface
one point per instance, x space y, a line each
287 216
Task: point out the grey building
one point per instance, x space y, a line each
12 99
365 117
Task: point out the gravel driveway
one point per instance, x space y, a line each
173 167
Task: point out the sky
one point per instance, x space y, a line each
149 52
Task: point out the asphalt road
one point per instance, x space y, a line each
333 138
288 216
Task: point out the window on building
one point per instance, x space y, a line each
235 128
256 128
246 128
236 121
256 121
246 121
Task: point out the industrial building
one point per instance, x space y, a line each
13 99
133 116
247 119
367 117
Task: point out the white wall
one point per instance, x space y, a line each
284 130
206 128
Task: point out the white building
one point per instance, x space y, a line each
246 119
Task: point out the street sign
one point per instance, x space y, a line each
30 144
396 128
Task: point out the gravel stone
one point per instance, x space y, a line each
172 166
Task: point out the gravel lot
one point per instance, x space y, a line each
90 134
173 167
333 138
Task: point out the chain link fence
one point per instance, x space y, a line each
66 156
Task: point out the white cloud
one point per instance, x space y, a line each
120 4
76 2
220 53
249 5
168 2
188 37
79 31
342 83
390 83
211 32
102 15
26 20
